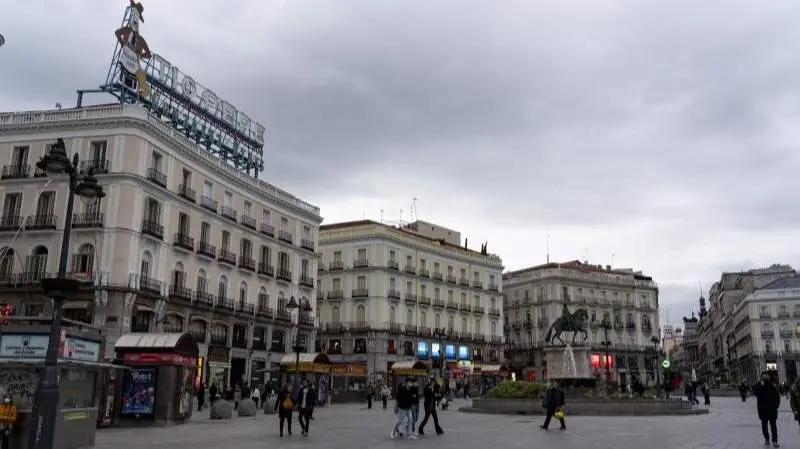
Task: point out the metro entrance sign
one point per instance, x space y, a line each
665 363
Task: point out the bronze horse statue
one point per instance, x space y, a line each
569 322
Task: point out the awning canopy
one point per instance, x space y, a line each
61 362
179 343
493 368
305 357
410 366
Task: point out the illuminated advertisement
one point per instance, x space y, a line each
450 352
138 394
463 353
422 349
436 350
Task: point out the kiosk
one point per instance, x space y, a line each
348 382
314 366
158 387
22 352
491 375
403 370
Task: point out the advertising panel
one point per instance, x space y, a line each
139 392
422 349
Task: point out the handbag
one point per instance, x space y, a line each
559 414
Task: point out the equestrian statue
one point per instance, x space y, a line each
568 322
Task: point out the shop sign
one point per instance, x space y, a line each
159 358
80 349
357 370
217 354
338 369
24 345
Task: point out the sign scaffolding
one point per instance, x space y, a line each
137 76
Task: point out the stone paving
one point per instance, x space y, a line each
731 424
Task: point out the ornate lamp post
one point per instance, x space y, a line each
440 334
606 344
655 340
297 347
60 288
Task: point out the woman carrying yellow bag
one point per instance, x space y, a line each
554 400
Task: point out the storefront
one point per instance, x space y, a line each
81 374
490 375
218 367
314 367
348 382
159 385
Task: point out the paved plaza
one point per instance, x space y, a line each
731 424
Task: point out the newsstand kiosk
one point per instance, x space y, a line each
158 387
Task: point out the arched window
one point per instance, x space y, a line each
202 281
219 334
242 292
451 323
222 290
83 261
787 346
281 302
361 314
145 266
173 323
198 330
178 276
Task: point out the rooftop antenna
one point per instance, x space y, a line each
612 259
401 218
414 214
547 249
381 216
586 255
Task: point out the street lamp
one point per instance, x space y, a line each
439 334
297 347
655 340
606 344
60 288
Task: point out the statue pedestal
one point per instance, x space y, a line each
559 363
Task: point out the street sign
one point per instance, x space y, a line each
665 363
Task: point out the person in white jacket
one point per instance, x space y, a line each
255 396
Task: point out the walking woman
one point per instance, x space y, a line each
285 405
768 400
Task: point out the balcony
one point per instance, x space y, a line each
424 273
228 212
284 275
266 269
785 333
452 305
285 236
223 303
267 229
360 263
155 175
149 285
184 241
180 293
10 222
425 301
494 311
479 310
438 304
97 166
209 203
306 281
307 244
249 222
450 279
335 294
410 269
247 263
40 221
767 334
88 220
336 265
264 310
783 314
393 265
393 294
464 282
153 229
227 257
204 299
465 308
411 299
437 276
245 308
207 249
493 287
283 315
16 171
187 193
360 293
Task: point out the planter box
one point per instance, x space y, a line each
586 407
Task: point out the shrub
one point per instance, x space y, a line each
518 390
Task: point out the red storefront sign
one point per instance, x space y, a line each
165 358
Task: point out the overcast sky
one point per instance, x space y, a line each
664 133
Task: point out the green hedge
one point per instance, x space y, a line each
518 390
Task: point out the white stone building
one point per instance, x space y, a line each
384 291
627 300
763 332
181 242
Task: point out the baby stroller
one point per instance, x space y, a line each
445 402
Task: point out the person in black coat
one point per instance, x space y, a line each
285 405
429 406
305 406
554 399
768 399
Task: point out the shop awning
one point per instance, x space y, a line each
179 343
61 362
493 368
410 367
305 357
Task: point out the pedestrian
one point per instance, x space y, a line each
305 406
285 405
385 392
370 391
768 399
8 418
237 397
402 411
554 400
743 391
201 396
255 395
415 397
212 393
794 400
706 394
429 406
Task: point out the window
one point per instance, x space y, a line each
265 255
451 324
304 267
208 190
450 271
284 224
361 282
464 299
155 161
423 319
84 259
283 262
422 264
202 282
409 287
205 231
183 224
409 261
266 216
464 325
437 321
476 276
423 291
227 200
362 254
12 205
186 178
337 256
246 248
450 296
437 293
222 290
46 204
392 256
491 279
392 315
152 211
226 240
392 284
361 314
476 300
307 232
337 284
410 316
477 328
436 267
20 158
247 209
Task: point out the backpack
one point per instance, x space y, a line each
287 403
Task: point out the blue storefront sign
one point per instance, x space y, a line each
422 349
463 353
450 352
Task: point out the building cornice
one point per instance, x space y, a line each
132 116
577 281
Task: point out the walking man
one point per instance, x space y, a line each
305 406
429 405
370 391
553 401
415 397
402 410
768 399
